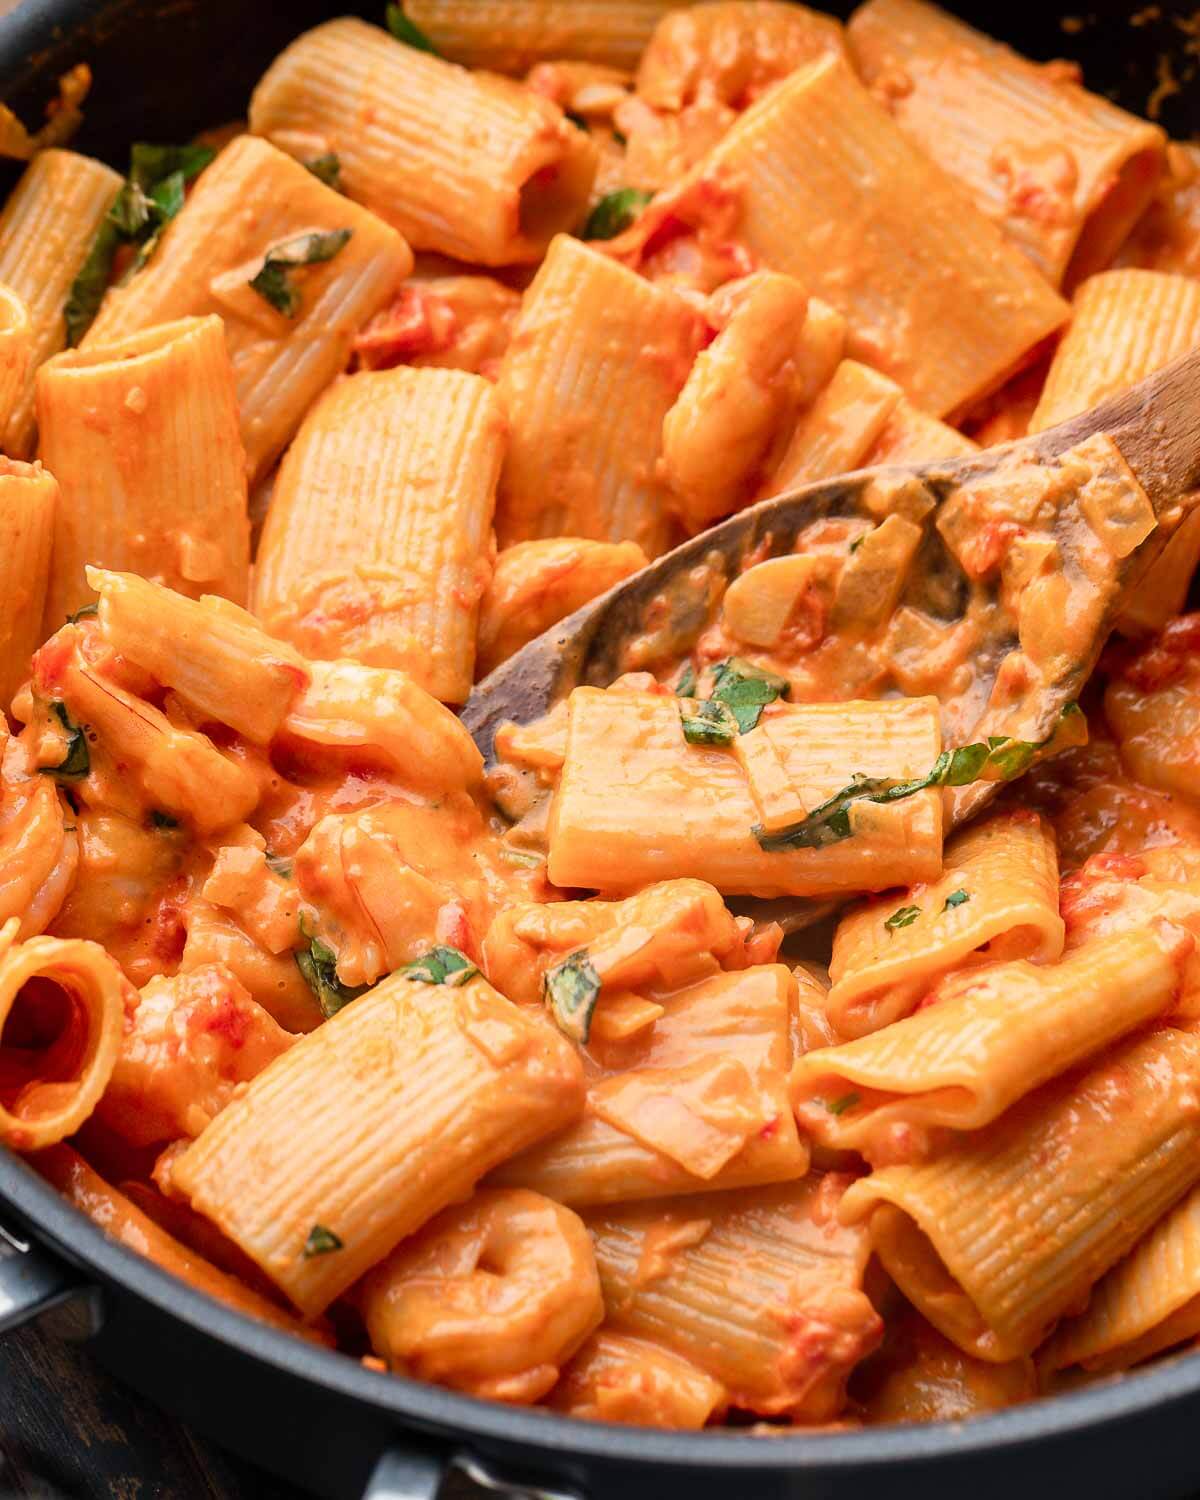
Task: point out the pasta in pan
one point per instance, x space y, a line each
526 1077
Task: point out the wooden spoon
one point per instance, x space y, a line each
1087 505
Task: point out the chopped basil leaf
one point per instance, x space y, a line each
327 169
77 762
320 1241
163 820
281 865
441 965
86 613
149 199
571 990
273 280
407 32
88 288
955 898
707 722
840 1106
149 164
746 690
319 967
614 213
577 120
903 916
999 759
620 139
856 543
686 686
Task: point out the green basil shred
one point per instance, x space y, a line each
88 612
321 1241
955 898
319 966
999 758
441 965
407 31
686 686
707 722
273 281
281 865
840 1106
162 821
746 690
903 916
571 990
149 199
77 762
327 169
614 213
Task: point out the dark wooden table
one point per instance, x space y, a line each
69 1431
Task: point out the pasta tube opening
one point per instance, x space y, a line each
62 1008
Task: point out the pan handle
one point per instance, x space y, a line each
413 1474
34 1282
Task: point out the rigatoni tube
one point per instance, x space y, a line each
374 1123
28 501
212 653
251 201
1064 172
468 164
1127 324
509 36
991 1038
597 359
46 232
376 545
637 802
825 183
16 347
1005 1231
762 1290
60 1036
996 899
154 481
695 1101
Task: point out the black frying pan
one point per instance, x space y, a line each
164 70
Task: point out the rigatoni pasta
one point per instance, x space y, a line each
46 231
1067 186
142 486
335 264
649 805
739 1284
994 1281
989 1039
597 360
509 36
376 546
63 1006
997 898
29 499
336 1204
16 340
830 204
501 174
